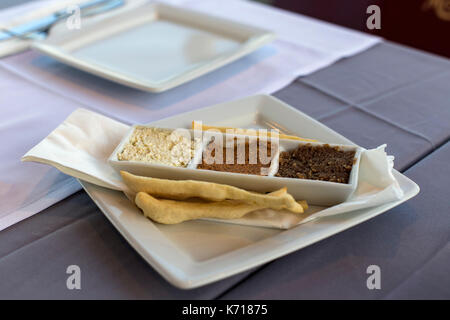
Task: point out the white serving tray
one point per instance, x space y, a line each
154 47
196 253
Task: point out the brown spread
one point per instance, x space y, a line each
324 163
244 157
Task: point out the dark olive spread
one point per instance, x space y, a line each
323 163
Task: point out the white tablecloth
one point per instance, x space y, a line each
38 93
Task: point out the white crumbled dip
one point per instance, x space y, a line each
160 146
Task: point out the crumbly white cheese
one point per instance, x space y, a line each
160 146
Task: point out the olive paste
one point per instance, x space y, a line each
324 163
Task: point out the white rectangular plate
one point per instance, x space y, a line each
154 47
196 253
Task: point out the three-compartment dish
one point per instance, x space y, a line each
322 174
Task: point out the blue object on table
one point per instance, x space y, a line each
38 29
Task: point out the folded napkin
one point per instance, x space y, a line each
81 145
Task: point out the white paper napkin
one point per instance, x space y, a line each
81 145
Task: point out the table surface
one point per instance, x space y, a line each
388 94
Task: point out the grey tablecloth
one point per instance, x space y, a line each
388 94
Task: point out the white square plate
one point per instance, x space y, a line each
195 253
154 47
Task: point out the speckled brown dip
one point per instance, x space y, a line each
251 164
323 163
